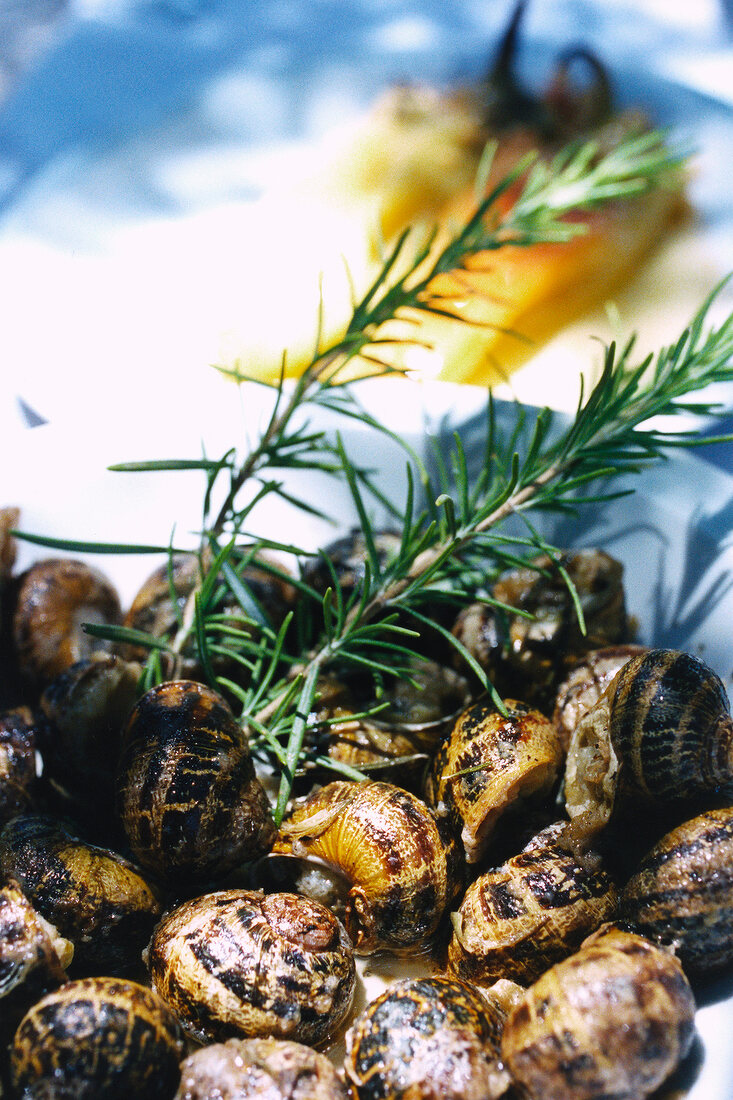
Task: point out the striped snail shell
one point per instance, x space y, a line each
516 920
400 870
660 735
240 963
98 1038
489 764
613 1020
682 892
263 1069
425 1037
190 802
18 766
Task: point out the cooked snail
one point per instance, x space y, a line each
190 802
659 737
343 562
98 1039
613 1021
433 1038
32 958
240 963
682 892
527 652
93 896
585 683
488 765
400 870
516 920
55 597
265 1069
18 771
85 708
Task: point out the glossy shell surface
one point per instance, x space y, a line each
240 963
264 1069
488 765
98 1037
430 1037
400 870
18 771
190 802
613 1021
518 919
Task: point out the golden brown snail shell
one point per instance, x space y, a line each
585 683
400 870
488 765
55 598
93 896
32 958
432 1038
660 736
240 963
18 772
98 1038
516 920
190 802
612 1020
682 892
527 651
261 1069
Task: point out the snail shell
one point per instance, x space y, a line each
240 963
32 958
612 1020
527 652
682 892
190 802
85 708
585 684
660 735
488 764
18 772
98 1037
433 1038
55 598
93 896
345 559
264 1069
400 870
516 920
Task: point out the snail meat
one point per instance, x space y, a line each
263 1069
682 892
240 963
93 896
400 868
98 1039
190 802
516 920
613 1021
433 1038
659 738
488 765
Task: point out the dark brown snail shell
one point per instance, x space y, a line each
516 920
682 892
343 561
528 652
401 870
18 771
98 1038
240 963
659 738
261 1069
32 958
612 1020
85 708
433 1038
190 802
488 765
93 896
55 597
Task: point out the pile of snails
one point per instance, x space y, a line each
558 868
